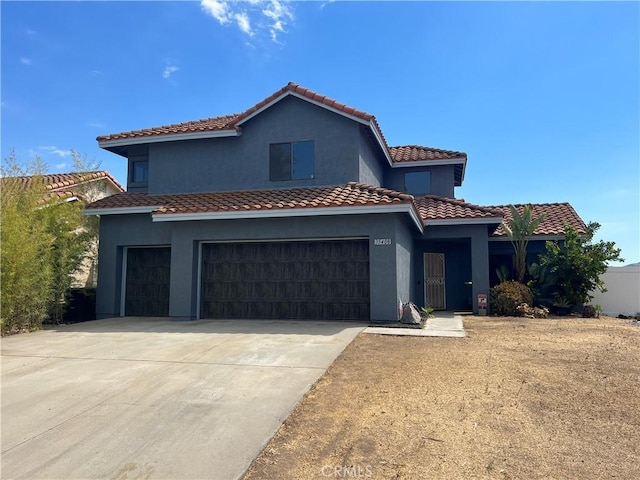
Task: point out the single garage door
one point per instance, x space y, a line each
147 282
286 280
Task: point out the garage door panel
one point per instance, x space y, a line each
315 280
147 281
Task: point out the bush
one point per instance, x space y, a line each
506 297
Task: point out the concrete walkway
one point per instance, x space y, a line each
443 324
129 398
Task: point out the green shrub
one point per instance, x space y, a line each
506 297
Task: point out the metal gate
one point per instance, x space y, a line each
434 281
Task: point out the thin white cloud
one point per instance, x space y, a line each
253 17
95 125
279 14
25 61
169 70
53 150
329 2
218 10
244 24
60 166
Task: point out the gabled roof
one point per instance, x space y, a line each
61 183
557 214
342 199
436 210
231 125
417 155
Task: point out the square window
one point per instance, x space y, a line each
291 161
417 183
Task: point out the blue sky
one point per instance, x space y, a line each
543 97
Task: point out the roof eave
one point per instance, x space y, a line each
292 212
121 210
123 142
463 221
505 238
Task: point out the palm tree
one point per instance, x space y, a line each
520 228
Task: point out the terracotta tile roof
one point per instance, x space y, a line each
58 182
231 122
349 195
225 122
305 92
432 207
415 153
556 216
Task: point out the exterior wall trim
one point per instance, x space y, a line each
121 210
294 212
464 221
534 237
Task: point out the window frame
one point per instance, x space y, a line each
417 194
291 170
132 171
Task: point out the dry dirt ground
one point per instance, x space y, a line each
518 398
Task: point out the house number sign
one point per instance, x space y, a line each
382 241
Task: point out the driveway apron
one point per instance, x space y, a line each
151 398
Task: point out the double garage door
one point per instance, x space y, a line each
270 280
288 280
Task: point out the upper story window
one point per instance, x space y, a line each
139 171
291 161
417 183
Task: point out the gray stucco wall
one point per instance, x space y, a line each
371 165
404 261
442 179
118 231
239 163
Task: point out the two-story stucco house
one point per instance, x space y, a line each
295 208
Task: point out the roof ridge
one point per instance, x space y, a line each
527 204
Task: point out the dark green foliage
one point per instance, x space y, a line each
576 265
506 296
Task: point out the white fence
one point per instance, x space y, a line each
623 291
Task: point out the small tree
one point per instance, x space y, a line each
43 240
577 264
519 229
26 273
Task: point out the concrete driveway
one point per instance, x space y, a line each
149 398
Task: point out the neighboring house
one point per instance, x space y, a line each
73 187
294 208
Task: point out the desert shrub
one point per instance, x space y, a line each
506 296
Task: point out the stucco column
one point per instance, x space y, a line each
183 290
479 266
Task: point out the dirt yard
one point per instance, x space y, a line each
516 399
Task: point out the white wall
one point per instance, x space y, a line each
623 291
